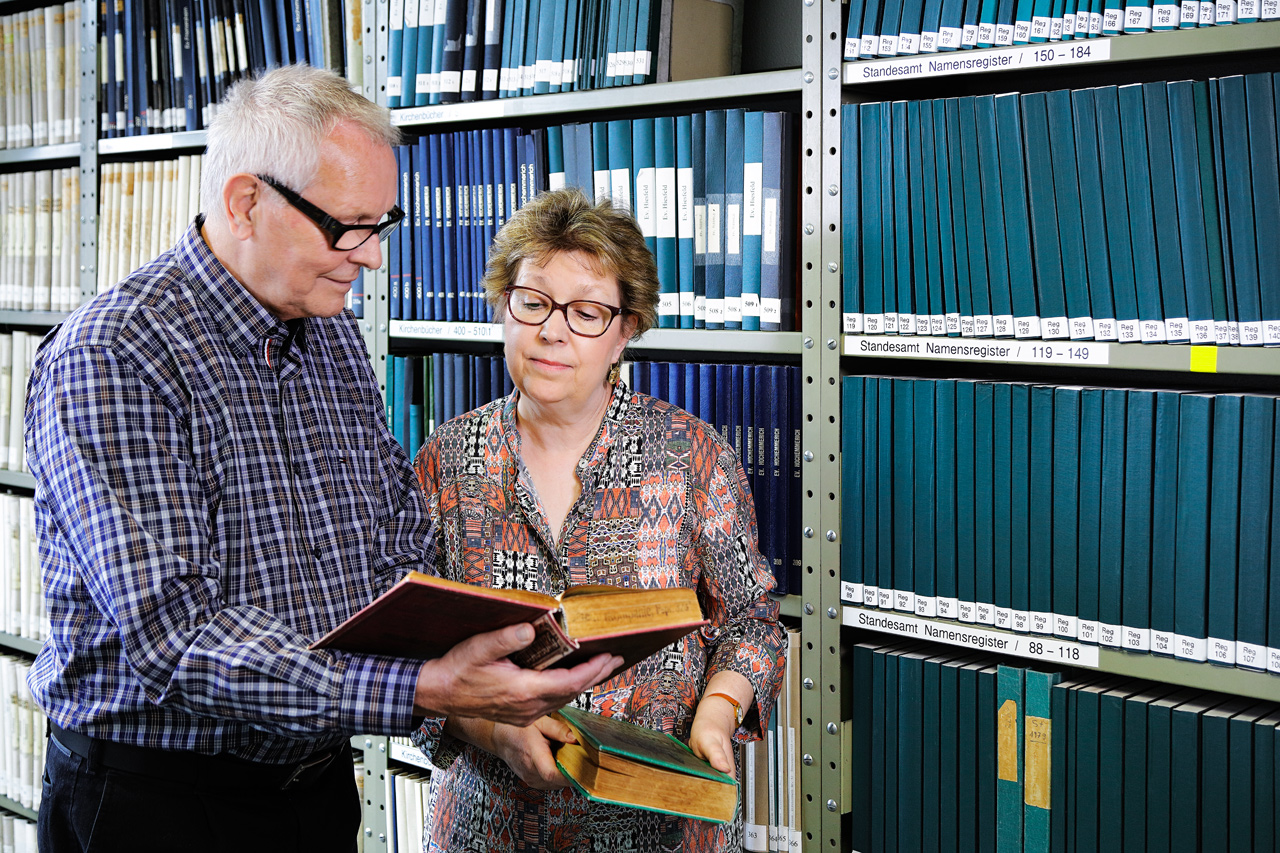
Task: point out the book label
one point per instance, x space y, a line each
993 59
884 599
1088 631
1110 635
948 608
1190 648
1139 639
851 592
968 613
1221 651
1038 743
853 323
1273 659
926 606
1037 648
870 596
1250 655
1162 643
984 614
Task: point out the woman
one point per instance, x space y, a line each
575 479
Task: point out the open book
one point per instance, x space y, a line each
618 762
423 616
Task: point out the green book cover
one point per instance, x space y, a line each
654 771
1009 758
1037 752
1112 737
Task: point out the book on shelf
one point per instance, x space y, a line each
423 616
619 762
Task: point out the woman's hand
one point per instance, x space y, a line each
716 719
711 737
528 751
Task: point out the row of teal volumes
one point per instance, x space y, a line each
451 51
953 750
877 28
1133 519
713 193
1135 213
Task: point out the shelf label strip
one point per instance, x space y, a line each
977 61
1049 649
986 349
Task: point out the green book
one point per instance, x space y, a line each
1009 758
1112 738
615 761
1037 738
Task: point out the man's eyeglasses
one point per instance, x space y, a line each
342 238
584 317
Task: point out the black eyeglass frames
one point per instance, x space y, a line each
342 238
586 318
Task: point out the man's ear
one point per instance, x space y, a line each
241 196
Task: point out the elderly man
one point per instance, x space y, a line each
216 489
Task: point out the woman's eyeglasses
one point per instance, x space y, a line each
584 317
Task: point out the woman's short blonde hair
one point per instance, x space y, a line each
565 220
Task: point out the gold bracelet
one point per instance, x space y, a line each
737 706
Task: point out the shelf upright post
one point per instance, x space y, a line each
820 677
87 91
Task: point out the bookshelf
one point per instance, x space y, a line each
1196 54
796 89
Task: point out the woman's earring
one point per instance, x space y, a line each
614 372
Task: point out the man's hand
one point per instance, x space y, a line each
528 751
475 679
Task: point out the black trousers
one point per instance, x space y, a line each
87 807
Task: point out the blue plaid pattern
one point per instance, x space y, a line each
209 501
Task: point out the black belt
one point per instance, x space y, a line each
194 767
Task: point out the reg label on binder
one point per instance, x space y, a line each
979 61
1035 646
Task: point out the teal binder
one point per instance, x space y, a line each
1186 765
1141 216
1224 527
871 218
1011 426
1093 227
924 507
1257 444
1068 461
1028 431
666 213
1042 503
851 467
1190 206
1112 739
1167 479
1090 517
752 217
850 212
966 497
944 501
1111 527
904 495
1237 148
870 461
885 492
984 109
734 168
1139 496
922 275
1196 438
1039 738
903 203
1009 713
974 218
946 229
1261 101
991 498
1075 281
1044 216
1112 160
1167 230
959 215
686 232
1026 308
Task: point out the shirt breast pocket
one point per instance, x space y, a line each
357 489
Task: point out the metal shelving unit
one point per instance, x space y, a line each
1109 60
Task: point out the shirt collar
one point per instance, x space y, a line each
243 320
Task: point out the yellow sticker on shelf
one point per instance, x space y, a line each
1204 359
